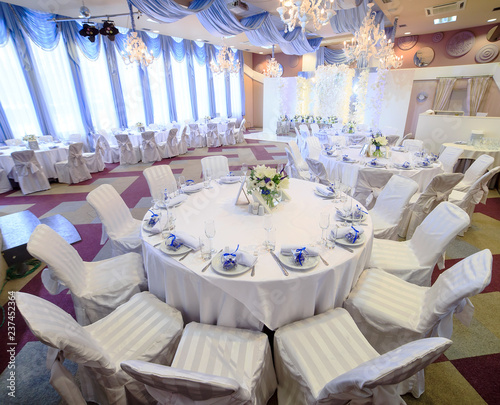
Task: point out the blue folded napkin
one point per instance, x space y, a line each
343 231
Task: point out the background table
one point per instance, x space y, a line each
473 152
269 298
160 136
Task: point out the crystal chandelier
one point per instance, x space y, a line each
300 12
370 42
225 62
135 49
273 68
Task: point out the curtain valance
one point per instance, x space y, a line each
169 11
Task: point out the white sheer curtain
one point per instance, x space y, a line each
132 91
181 88
220 95
97 85
56 82
476 89
158 86
443 93
236 95
200 74
14 94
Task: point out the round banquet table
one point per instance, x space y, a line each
473 152
136 137
269 297
348 172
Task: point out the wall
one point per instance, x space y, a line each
248 83
292 64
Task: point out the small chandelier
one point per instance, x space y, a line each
273 68
135 49
225 62
300 12
371 42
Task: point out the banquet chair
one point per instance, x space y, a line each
95 160
197 139
4 182
292 169
390 312
171 148
299 160
97 288
231 366
474 172
45 138
449 158
28 172
370 184
300 140
229 136
356 139
111 154
409 135
314 128
213 138
312 148
421 204
317 171
160 178
338 140
118 224
144 328
240 135
114 131
413 260
129 155
14 142
325 359
304 128
184 142
217 165
392 140
390 205
73 170
149 152
413 145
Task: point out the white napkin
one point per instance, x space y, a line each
230 179
176 200
286 250
343 231
152 229
193 188
323 190
344 213
186 239
401 166
398 148
242 258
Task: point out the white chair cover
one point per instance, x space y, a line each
318 171
95 161
184 142
304 128
390 205
370 184
356 139
160 178
437 191
229 135
240 135
97 288
299 160
28 172
392 140
405 137
314 128
298 137
312 148
149 151
213 139
218 165
292 169
73 170
197 139
326 360
414 260
338 140
449 157
474 172
231 366
117 222
109 154
4 182
129 155
144 328
413 145
390 311
13 142
172 148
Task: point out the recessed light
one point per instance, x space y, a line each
153 21
261 53
445 20
199 40
407 33
492 20
156 31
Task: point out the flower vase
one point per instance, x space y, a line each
378 152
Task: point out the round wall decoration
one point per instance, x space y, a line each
421 97
293 61
437 37
406 43
460 43
423 57
487 53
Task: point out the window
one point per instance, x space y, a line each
220 94
181 88
158 86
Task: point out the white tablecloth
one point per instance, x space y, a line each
348 172
269 298
160 136
45 156
473 152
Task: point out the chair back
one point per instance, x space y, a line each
63 260
127 153
413 145
479 190
339 140
75 152
111 210
46 138
370 184
449 157
25 162
436 231
304 127
312 147
317 169
299 160
405 137
194 129
292 167
160 178
356 139
218 165
392 140
314 128
77 167
477 169
172 136
13 142
123 141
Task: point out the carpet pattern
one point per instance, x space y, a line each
466 374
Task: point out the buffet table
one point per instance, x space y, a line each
473 152
270 297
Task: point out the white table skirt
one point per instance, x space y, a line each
269 298
348 172
472 152
136 138
46 157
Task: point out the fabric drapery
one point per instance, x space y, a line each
476 89
219 21
5 131
443 93
330 56
169 11
116 87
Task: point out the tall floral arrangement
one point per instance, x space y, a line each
303 95
376 98
268 182
361 93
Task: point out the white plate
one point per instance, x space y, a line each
359 241
309 262
377 166
355 146
424 167
324 196
403 168
236 179
349 219
235 271
350 161
162 205
192 191
182 250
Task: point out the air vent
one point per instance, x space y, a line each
402 25
387 1
496 9
446 8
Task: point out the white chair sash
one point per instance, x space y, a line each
24 167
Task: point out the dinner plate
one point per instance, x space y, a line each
235 179
309 263
403 168
162 205
235 271
329 197
182 250
345 242
377 166
349 218
327 155
355 146
192 191
424 167
350 161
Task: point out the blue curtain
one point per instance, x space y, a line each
168 11
219 21
191 77
349 20
70 31
210 55
330 56
168 76
146 95
4 34
5 131
114 77
228 93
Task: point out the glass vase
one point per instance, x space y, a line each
378 152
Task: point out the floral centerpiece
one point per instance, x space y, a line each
332 120
317 119
350 127
207 118
378 140
268 183
140 126
284 117
28 138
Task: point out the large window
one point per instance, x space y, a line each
158 86
200 75
181 88
220 94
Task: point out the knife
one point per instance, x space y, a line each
323 260
344 247
279 263
185 255
208 265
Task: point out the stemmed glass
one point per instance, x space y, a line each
182 183
324 223
210 231
244 170
268 225
208 178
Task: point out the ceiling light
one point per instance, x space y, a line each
300 12
135 49
407 33
492 20
225 62
199 40
261 53
445 20
156 31
153 21
273 68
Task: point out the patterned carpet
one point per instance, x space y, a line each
466 374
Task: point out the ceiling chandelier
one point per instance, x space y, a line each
135 49
371 42
300 12
225 62
273 68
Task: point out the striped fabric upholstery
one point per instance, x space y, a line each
232 365
449 157
149 151
475 171
218 164
160 178
117 221
97 288
129 154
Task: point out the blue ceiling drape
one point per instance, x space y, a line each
330 56
169 11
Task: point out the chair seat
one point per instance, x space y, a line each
456 197
395 257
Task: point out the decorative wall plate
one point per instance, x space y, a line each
406 43
460 43
437 37
421 97
487 53
424 56
293 61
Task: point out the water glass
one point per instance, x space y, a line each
205 248
244 170
182 183
208 178
210 230
324 223
271 240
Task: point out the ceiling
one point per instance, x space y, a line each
410 12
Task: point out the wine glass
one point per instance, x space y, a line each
268 225
208 177
182 183
210 231
324 223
